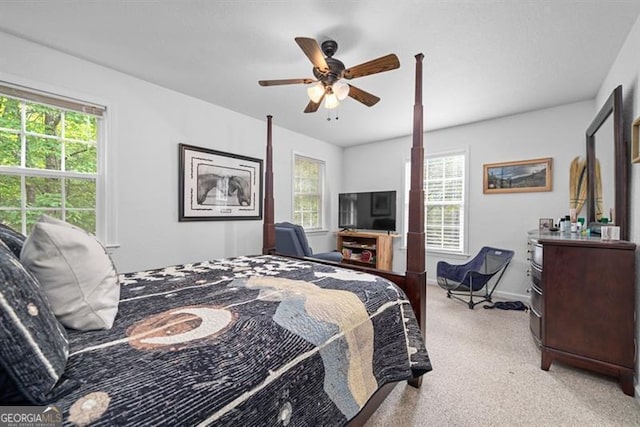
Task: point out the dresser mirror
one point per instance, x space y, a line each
605 142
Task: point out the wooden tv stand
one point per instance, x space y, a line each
353 244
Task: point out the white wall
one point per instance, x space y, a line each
625 71
503 220
145 125
500 220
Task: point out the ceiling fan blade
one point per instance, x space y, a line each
311 48
312 107
284 82
365 97
379 65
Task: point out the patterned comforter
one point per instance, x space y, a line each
245 341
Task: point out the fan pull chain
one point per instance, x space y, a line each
329 114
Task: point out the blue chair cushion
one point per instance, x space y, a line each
292 240
329 256
287 242
301 235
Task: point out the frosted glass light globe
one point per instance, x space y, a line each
341 89
315 92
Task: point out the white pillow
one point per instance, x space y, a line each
75 272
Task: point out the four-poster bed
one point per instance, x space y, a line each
250 340
414 281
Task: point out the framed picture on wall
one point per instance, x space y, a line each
517 177
213 185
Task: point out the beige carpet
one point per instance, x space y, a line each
487 373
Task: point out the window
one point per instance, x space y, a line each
308 192
49 159
445 194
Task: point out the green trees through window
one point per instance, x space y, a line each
48 164
308 192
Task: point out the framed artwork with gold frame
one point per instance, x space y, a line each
517 177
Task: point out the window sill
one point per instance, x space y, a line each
111 248
448 253
443 253
315 231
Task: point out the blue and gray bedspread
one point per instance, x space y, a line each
244 341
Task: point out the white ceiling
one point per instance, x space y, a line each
483 58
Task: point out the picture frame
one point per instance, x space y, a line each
518 176
218 186
380 204
635 141
545 224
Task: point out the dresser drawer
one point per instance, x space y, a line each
536 275
535 324
536 255
536 300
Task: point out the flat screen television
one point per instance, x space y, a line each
374 210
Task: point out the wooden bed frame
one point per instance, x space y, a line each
414 281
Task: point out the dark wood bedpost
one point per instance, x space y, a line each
416 273
268 228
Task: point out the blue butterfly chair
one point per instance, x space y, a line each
468 280
292 240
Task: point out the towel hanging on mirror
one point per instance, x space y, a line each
578 186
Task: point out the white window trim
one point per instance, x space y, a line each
106 190
323 192
407 180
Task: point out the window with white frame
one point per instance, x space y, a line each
444 202
308 192
49 159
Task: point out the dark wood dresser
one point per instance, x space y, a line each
583 303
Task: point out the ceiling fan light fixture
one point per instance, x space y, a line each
315 92
331 101
341 89
328 72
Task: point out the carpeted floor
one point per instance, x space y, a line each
487 373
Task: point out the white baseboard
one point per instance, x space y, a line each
511 296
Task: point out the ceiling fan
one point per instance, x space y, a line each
329 72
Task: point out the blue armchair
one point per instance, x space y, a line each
292 240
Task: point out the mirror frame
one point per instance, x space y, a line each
613 105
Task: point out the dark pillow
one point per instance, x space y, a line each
12 239
33 344
9 393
